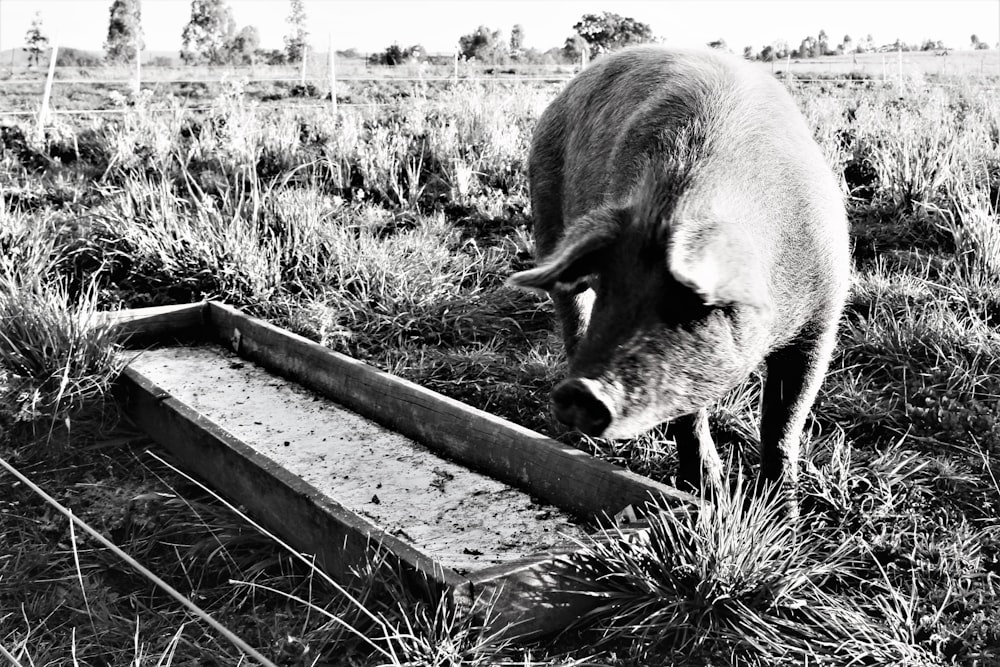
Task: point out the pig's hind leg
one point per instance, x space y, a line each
794 375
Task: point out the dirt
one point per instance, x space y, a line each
462 519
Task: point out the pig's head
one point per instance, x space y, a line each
681 302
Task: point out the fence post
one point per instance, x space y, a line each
138 65
43 111
333 77
899 55
456 64
305 56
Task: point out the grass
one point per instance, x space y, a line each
388 233
57 357
734 580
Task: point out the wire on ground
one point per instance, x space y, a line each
170 590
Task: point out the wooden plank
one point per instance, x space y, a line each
557 473
159 322
284 503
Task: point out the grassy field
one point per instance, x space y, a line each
388 234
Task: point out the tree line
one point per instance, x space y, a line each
211 37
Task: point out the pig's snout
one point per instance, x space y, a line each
579 403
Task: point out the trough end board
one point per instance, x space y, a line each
141 325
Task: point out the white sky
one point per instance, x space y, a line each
371 25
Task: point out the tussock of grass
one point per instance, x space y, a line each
419 285
925 364
57 356
733 579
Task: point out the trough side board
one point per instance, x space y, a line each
556 473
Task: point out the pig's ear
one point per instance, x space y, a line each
578 255
566 267
721 265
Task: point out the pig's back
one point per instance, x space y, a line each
754 153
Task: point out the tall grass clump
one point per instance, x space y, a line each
484 142
734 581
424 284
913 148
58 357
254 245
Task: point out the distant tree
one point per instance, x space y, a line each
574 48
516 39
767 53
750 52
719 44
69 57
847 46
270 56
610 31
536 57
974 40
485 45
822 44
296 42
395 54
553 56
35 42
982 45
208 34
806 48
866 45
243 48
124 29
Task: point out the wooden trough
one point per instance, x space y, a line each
482 510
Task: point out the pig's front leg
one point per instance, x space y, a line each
698 461
794 375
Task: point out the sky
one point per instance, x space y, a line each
372 25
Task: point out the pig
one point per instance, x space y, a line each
689 231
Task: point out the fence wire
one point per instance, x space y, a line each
893 75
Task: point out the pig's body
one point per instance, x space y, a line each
688 228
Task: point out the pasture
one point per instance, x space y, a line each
388 233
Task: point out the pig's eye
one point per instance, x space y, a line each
581 284
580 274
